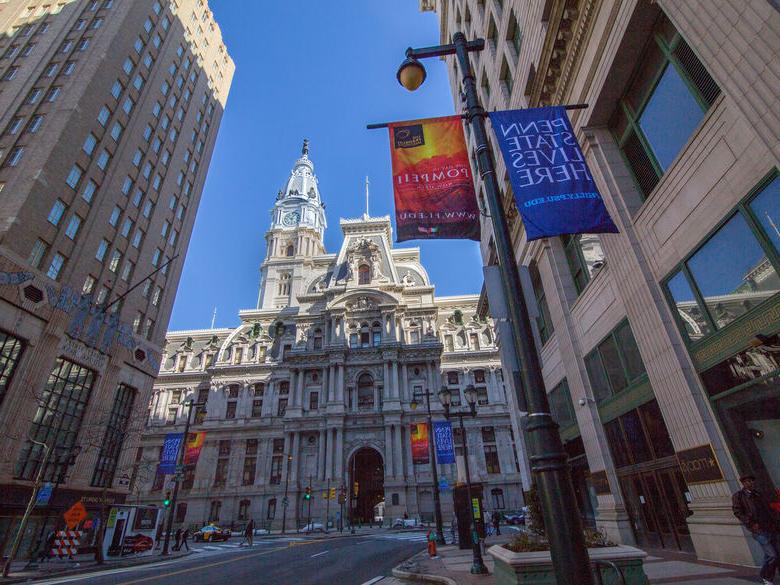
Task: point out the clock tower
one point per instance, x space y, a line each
295 237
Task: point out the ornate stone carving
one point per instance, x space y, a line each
362 304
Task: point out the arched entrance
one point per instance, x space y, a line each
367 469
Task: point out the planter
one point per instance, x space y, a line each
535 568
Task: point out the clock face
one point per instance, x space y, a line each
291 218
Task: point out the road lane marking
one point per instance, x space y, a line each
201 567
374 580
320 554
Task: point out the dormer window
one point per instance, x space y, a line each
364 274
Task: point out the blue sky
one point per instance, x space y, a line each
322 71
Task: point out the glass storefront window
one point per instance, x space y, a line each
617 444
630 352
615 364
732 272
657 432
635 436
611 360
691 315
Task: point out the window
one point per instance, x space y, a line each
89 143
37 253
15 125
314 400
83 45
137 157
116 213
638 436
230 412
506 78
271 509
543 321
662 107
127 270
482 396
364 274
561 406
615 363
365 392
585 257
10 351
715 285
104 115
89 191
116 258
58 417
70 66
103 159
116 131
114 437
74 176
73 227
56 212
15 157
497 495
248 474
116 89
128 104
514 35
281 407
35 123
216 505
101 250
491 459
257 408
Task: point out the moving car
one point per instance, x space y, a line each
313 527
211 533
405 523
514 517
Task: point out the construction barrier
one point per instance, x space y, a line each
66 543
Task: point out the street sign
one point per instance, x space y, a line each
444 484
123 480
75 514
44 494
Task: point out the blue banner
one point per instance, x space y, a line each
442 438
170 453
554 189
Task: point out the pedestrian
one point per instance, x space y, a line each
44 553
249 533
185 535
177 546
755 513
496 522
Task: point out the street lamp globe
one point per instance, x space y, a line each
411 74
445 396
471 394
414 404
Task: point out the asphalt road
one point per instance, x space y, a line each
336 561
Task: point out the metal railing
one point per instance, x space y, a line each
608 564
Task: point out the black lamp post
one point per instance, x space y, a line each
434 471
478 565
547 458
286 501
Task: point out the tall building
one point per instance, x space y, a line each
314 387
659 344
109 110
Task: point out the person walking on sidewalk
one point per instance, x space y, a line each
184 537
177 546
249 533
496 519
755 513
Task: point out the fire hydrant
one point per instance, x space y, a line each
432 544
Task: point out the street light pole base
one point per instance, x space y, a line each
479 569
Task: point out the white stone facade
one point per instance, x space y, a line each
593 52
328 364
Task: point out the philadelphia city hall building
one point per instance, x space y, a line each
315 387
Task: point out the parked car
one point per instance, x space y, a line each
211 533
405 523
514 517
313 527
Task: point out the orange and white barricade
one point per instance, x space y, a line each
66 543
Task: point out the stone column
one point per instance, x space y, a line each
329 454
404 382
396 388
339 455
299 388
407 447
340 383
399 454
321 456
388 387
389 468
494 392
296 453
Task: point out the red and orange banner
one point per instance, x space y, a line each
193 446
432 180
419 437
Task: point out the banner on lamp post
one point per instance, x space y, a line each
442 438
432 180
419 438
193 447
170 453
553 186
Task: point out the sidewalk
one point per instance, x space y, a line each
662 568
83 563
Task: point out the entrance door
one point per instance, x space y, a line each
658 508
367 479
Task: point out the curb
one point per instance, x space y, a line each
401 572
89 569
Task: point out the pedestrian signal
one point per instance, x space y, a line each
307 494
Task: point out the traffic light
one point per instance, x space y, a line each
307 494
167 500
355 488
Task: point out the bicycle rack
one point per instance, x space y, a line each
611 565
